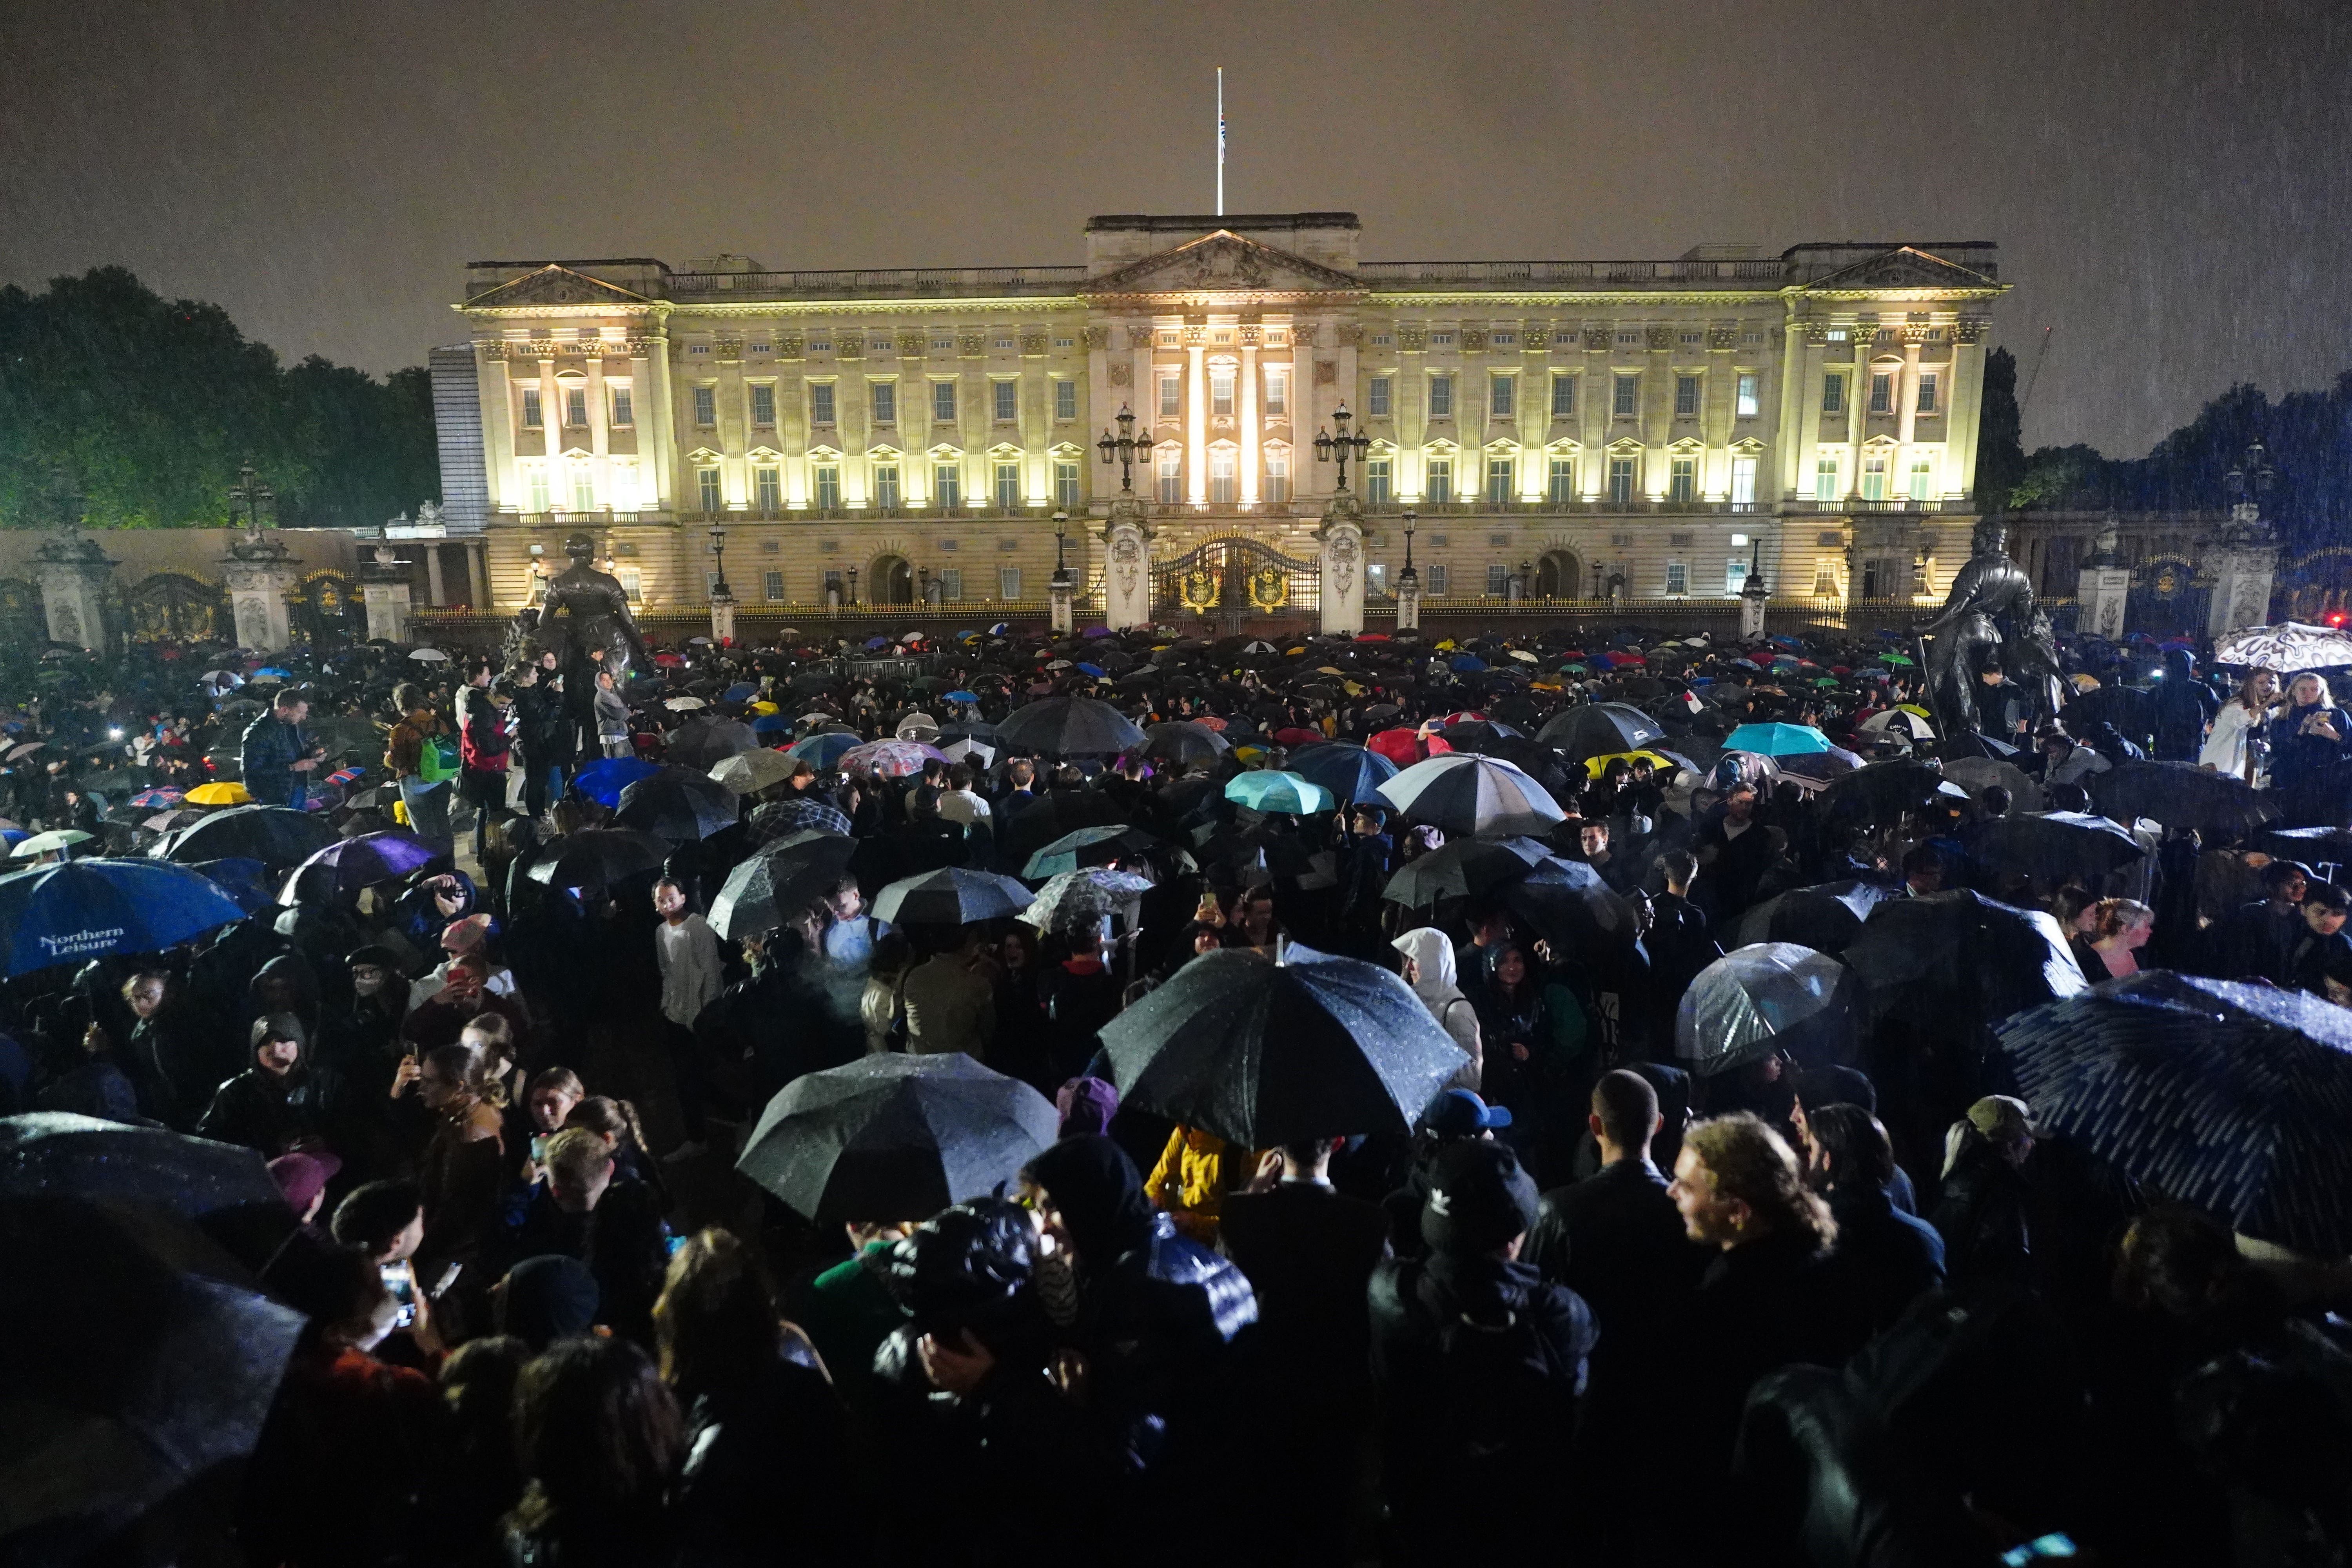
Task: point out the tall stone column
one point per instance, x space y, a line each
2245 567
2103 588
1127 565
73 574
1342 555
261 571
1408 598
722 617
384 586
1063 592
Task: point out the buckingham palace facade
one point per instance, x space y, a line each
1646 433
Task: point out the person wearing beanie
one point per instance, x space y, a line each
543 1300
303 1179
1480 1364
1980 1209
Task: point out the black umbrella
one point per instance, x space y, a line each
1761 1000
1950 962
1823 918
1069 726
701 742
896 1138
600 856
1881 792
1089 846
1184 742
1569 904
1461 868
2183 796
1262 1053
1492 738
143 1359
1600 730
277 835
679 805
778 883
2228 1095
224 1187
2051 844
957 895
2309 845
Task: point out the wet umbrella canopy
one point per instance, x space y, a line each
1759 1001
894 1137
1470 794
278 837
955 895
602 781
76 910
777 884
1262 1053
1597 729
2051 843
1823 918
678 805
1353 773
2183 796
1069 726
1462 867
1957 961
364 859
599 856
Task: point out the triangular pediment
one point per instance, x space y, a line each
1905 267
554 285
1222 262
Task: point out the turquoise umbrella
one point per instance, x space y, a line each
1267 789
1776 740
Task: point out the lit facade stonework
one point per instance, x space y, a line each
1563 431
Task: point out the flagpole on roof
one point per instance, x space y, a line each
1221 141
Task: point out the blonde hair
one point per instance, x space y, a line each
2117 916
2327 698
1751 1163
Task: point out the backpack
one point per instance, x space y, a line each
1501 1400
436 759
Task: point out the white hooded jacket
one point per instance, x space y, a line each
1433 960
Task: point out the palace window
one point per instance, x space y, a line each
1677 579
1065 483
1922 478
1171 474
1441 339
943 402
1686 396
1735 576
1383 339
1620 481
622 484
1501 400
767 489
1498 481
1503 339
943 343
886 485
705 407
623 408
1379 487
947 486
1007 396
531 417
1441 480
1628 398
1277 474
1441 398
1376 401
884 396
1682 480
1560 489
575 406
1066 399
1882 392
583 489
952 584
1629 337
764 403
1278 393
542 495
1005 341
633 582
1832 394
1564 396
1927 392
1750 403
1008 487
1437 582
1825 479
1825 586
1499 581
1221 484
1221 389
1691 339
1171 396
1743 481
771 587
1873 476
1008 582
706 483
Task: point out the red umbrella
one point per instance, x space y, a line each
1467 716
1402 747
1373 637
667 659
1210 722
1297 737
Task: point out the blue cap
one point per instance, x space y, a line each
1458 1113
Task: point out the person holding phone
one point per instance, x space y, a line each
2307 742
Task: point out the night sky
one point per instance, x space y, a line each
2168 181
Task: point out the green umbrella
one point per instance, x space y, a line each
1895 658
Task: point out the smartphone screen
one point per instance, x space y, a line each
539 1149
402 1283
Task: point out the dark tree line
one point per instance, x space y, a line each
146 407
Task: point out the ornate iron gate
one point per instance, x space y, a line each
327 608
174 606
1234 578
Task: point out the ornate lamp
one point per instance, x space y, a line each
1340 447
1126 448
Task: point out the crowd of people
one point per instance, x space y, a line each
1595 1300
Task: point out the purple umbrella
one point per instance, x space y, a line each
365 859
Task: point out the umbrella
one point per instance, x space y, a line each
1184 742
602 781
246 881
1898 718
1352 774
700 742
683 704
342 735
1068 726
600 857
1813 769
155 799
2051 843
1600 727
748 772
896 1137
1948 961
679 805
1262 1053
430 656
219 682
1072 850
219 795
49 843
2232 1097
76 910
1569 904
1823 918
1881 792
1272 790
1485 735
277 835
889 759
1976 775
825 750
2184 795
965 748
1461 868
956 895
1776 740
365 859
2288 648
771 724
807 811
1472 795
1079 901
1401 746
1757 1002
763 892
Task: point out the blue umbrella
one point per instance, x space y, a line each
825 749
1268 789
877 642
1468 663
968 695
273 669
11 837
246 881
603 781
1352 774
1094 670
742 691
1776 740
80 909
771 724
1000 628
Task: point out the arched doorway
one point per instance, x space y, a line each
1560 576
893 579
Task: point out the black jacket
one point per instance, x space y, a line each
1617 1240
622 1240
1760 1306
1980 1214
1885 1258
264 1112
1309 1253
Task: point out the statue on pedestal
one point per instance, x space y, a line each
585 622
1990 611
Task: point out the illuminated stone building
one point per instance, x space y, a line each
1644 431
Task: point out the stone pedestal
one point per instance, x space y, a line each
1408 598
1127 565
73 573
383 587
2242 578
2102 593
260 573
722 619
1342 559
1063 592
1753 595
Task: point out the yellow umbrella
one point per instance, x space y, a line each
1448 645
765 707
1914 708
219 795
1595 767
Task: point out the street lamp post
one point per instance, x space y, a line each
252 497
1062 589
1126 449
1526 581
722 598
852 585
1596 579
1340 447
1408 585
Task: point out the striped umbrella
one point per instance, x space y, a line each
2228 1095
1467 793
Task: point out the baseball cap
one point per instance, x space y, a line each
1458 1113
2002 1117
1480 1197
302 1177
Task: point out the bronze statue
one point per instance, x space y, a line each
1991 610
585 621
